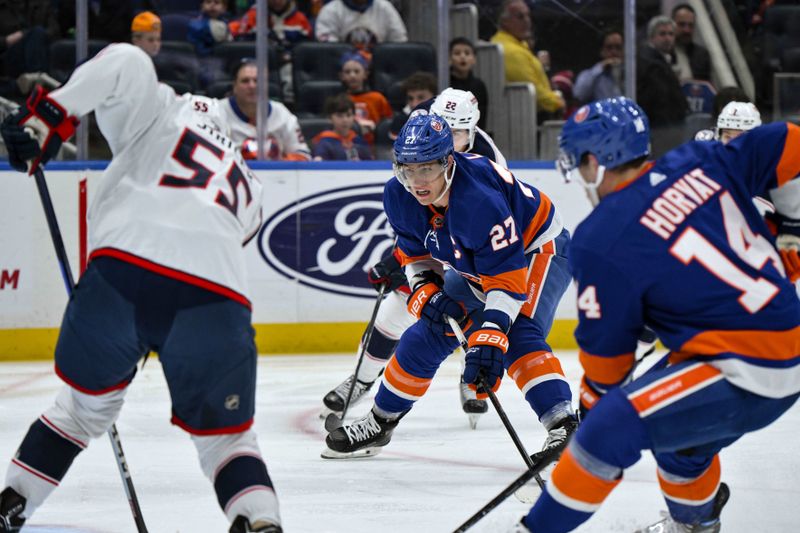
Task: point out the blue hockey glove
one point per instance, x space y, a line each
387 272
428 302
33 133
485 359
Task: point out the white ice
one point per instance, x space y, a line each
434 474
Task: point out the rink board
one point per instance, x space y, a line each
323 227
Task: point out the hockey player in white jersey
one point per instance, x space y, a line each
166 273
460 110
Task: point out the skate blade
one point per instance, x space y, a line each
528 493
370 451
473 419
326 411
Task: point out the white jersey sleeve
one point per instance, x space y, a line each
176 198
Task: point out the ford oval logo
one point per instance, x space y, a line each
329 240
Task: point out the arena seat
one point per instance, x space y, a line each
311 98
313 61
394 62
62 56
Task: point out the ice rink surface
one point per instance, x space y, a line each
434 474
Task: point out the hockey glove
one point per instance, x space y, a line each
387 272
428 302
33 134
788 241
484 359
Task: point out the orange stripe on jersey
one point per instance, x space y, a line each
403 381
406 259
770 345
545 206
606 370
577 483
696 491
665 391
533 366
789 164
513 281
536 275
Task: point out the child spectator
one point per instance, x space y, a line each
340 143
146 32
371 106
419 87
210 27
462 61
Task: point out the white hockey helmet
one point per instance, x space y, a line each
741 116
459 109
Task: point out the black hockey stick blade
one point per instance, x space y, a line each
333 422
545 459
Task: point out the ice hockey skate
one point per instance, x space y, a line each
11 507
365 437
334 401
557 437
712 525
242 525
471 405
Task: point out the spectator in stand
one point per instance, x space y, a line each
362 23
563 81
419 87
210 28
288 26
515 30
691 59
284 139
371 106
340 143
146 32
604 79
26 29
657 87
462 61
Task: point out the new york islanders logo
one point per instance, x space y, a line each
436 125
581 114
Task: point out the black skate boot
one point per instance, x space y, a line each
242 525
11 507
557 437
711 525
363 438
335 399
471 405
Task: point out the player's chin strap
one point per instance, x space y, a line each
448 180
591 187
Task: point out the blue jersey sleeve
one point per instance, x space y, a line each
766 158
610 316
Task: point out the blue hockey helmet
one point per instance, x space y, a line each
423 138
615 130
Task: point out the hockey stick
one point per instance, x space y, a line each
497 407
550 456
333 422
69 282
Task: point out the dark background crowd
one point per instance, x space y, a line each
571 51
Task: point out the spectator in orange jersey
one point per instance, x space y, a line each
371 106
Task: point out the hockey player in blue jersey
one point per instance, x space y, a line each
506 249
460 110
678 246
